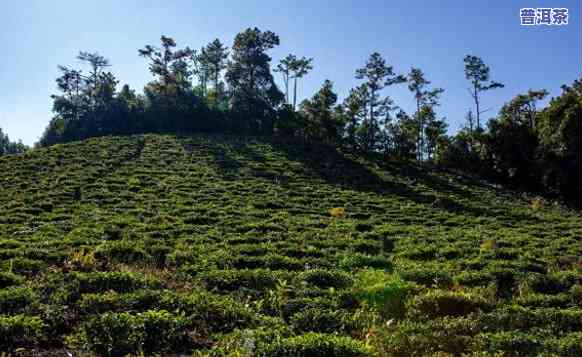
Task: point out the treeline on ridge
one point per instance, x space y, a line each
217 89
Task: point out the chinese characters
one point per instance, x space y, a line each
543 16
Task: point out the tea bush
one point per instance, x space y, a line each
440 303
327 279
9 279
316 345
119 334
384 292
15 299
226 245
18 331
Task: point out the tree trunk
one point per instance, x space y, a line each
295 93
419 141
476 96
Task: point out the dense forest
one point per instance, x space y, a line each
217 89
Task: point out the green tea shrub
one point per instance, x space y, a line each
536 300
295 305
440 303
315 345
512 343
427 276
420 253
281 262
544 284
504 278
318 320
384 292
412 338
473 278
119 334
15 299
24 266
232 280
9 279
121 251
365 246
159 253
18 331
327 279
358 261
209 312
99 303
569 345
576 294
118 281
517 317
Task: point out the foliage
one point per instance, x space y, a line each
384 292
18 330
217 244
313 344
8 147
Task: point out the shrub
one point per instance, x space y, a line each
537 204
99 303
382 291
162 330
119 334
18 330
117 281
82 260
293 306
428 276
314 345
576 294
327 279
121 251
543 300
439 303
24 266
427 338
513 343
569 345
367 246
209 312
516 317
544 284
317 320
472 278
159 253
232 280
113 334
358 260
337 212
9 279
14 299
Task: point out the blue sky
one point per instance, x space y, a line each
36 36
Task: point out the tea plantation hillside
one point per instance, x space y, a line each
214 246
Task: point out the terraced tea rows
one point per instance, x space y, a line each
224 246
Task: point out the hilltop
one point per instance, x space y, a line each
223 245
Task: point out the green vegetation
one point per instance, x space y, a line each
218 245
222 90
9 147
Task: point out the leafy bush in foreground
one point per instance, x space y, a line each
315 345
15 299
18 330
118 334
440 303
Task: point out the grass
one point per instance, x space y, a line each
237 246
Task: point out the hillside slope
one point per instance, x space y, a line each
157 244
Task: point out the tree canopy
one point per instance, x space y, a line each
221 89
